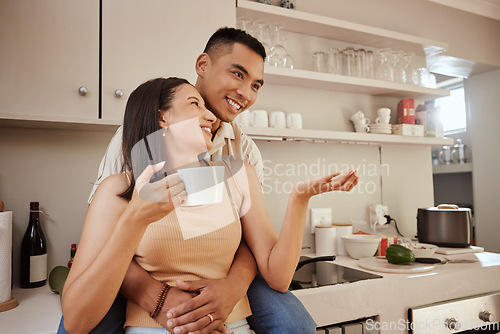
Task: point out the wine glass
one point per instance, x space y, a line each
263 35
384 71
279 56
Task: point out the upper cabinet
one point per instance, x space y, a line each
353 33
142 40
71 62
49 54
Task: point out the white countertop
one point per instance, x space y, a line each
39 312
389 298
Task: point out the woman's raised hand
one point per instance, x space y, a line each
154 201
327 183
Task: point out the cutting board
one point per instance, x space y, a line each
381 265
452 251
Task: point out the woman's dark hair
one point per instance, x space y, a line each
141 119
226 36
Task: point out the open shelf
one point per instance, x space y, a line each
327 27
347 84
322 136
452 168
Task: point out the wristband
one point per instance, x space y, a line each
160 300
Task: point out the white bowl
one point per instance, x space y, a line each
361 245
421 250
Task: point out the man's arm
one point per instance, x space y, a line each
111 162
217 297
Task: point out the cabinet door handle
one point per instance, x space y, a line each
118 93
83 90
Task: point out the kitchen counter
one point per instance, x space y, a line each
39 312
388 298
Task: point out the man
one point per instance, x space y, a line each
230 74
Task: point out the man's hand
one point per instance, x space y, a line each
216 297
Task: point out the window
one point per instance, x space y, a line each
452 110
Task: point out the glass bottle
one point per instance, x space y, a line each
72 255
33 252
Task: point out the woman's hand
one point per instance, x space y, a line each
327 183
153 201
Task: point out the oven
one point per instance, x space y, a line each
476 314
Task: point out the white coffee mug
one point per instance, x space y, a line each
277 119
259 118
358 116
384 112
383 119
361 128
363 121
294 121
244 119
204 185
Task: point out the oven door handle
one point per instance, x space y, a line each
315 259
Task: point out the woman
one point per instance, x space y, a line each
130 216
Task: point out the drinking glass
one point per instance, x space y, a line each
348 67
369 65
333 61
397 66
360 60
384 71
411 76
422 76
318 61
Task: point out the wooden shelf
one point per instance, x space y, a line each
327 27
346 84
322 136
452 168
57 122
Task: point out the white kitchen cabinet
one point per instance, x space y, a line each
50 50
142 40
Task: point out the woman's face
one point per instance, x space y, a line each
188 107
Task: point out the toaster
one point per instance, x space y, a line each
445 226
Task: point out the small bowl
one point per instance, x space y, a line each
361 245
421 250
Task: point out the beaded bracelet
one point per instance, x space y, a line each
160 300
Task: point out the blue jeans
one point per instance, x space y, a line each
273 312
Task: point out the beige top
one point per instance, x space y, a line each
192 243
229 140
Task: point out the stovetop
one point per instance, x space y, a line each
323 273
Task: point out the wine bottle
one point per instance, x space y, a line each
33 252
72 255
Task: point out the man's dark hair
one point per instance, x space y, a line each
226 37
